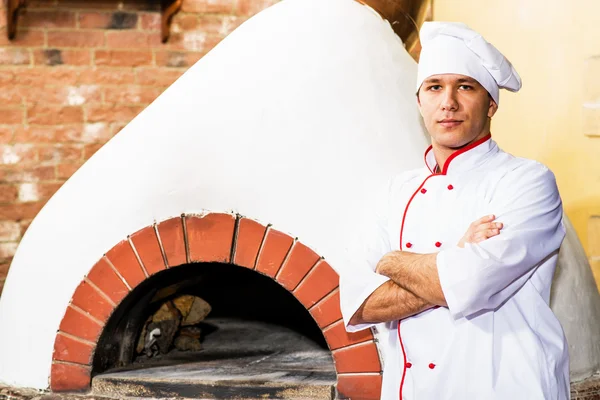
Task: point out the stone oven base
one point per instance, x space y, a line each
588 389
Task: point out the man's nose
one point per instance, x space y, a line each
449 101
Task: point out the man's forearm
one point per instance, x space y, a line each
389 302
417 273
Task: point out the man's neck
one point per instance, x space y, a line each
442 153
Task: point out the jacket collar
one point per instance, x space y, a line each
464 159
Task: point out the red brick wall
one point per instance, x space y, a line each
76 73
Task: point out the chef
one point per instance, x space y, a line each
457 284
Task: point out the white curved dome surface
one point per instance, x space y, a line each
296 119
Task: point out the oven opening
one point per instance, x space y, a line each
212 330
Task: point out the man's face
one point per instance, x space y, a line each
456 109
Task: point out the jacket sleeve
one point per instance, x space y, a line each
359 279
482 276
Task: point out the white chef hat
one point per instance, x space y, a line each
454 48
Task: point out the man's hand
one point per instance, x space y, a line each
480 230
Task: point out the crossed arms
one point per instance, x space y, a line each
414 284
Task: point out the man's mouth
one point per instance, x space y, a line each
450 122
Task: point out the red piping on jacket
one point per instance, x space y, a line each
444 172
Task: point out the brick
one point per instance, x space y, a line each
8 194
297 265
13 173
6 134
50 114
61 153
48 189
11 115
91 149
24 38
131 94
132 40
78 324
148 249
25 225
14 56
52 18
177 59
208 6
4 267
116 127
103 276
67 348
251 7
210 237
88 299
19 153
327 311
17 212
359 386
124 260
49 133
172 239
8 250
106 76
75 38
6 78
123 58
320 281
273 252
96 132
12 95
69 377
185 22
65 171
112 113
150 22
28 192
71 95
105 20
197 41
359 358
157 76
19 173
249 238
41 76
337 337
220 25
52 57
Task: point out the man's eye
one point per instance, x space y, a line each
434 87
466 87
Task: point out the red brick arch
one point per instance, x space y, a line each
213 237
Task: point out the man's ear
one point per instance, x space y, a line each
492 108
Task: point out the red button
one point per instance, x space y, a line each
431 366
408 245
423 190
450 187
408 365
438 244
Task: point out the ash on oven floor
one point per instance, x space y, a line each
240 360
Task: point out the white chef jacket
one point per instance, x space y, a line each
498 338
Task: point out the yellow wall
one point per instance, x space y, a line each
550 43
